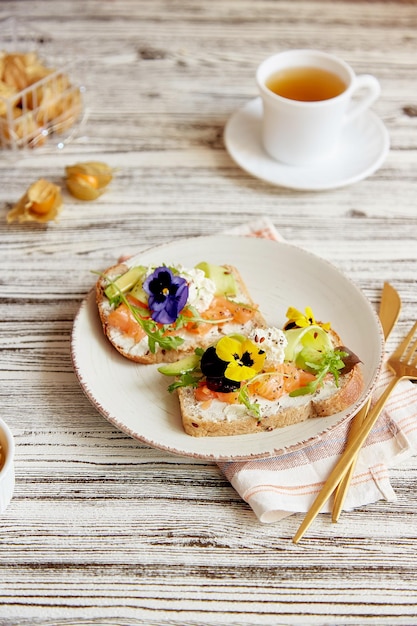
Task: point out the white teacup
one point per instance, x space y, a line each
314 96
7 478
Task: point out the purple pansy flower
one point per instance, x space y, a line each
167 293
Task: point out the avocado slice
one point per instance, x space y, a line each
182 366
138 291
224 280
125 282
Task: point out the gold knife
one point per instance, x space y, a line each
389 310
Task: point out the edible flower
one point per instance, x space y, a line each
301 320
167 293
244 358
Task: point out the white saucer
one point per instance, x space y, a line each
362 149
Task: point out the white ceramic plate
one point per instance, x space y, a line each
134 397
363 147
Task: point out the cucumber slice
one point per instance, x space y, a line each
182 366
314 337
138 291
125 282
308 355
225 281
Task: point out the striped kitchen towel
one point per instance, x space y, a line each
277 487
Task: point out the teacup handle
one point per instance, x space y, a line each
371 88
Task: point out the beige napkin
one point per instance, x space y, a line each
280 486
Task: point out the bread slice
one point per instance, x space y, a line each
215 418
140 352
220 419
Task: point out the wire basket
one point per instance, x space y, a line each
41 98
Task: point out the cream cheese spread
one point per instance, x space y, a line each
273 342
218 411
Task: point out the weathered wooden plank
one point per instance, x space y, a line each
103 529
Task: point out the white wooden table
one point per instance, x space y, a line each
103 529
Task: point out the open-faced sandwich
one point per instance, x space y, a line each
162 313
266 378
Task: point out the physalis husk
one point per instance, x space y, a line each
87 181
41 203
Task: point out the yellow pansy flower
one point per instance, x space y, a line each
244 358
301 320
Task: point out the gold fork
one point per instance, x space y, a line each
403 362
389 310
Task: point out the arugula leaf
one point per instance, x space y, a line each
189 379
330 363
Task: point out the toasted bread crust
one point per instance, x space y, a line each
161 355
197 425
